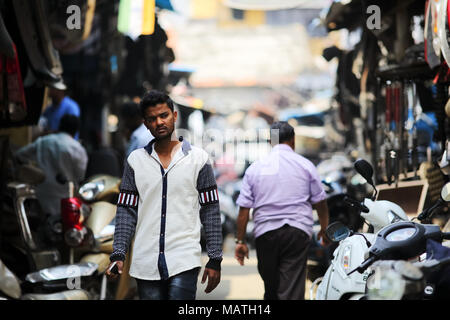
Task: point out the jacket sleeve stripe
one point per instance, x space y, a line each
209 196
128 199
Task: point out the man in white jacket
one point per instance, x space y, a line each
168 190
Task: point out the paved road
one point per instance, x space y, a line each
237 282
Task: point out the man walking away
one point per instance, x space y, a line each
282 189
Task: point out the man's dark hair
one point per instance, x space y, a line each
130 110
281 131
152 98
69 123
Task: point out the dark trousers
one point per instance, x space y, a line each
282 256
182 286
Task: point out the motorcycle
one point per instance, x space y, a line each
29 244
11 288
89 223
337 284
29 237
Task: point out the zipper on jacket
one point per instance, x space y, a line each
162 265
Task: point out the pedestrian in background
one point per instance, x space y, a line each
135 131
282 189
57 153
61 105
168 190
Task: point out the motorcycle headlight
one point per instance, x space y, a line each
346 257
90 190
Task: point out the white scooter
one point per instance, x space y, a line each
336 284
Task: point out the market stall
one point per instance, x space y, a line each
392 89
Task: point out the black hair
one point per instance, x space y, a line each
69 123
281 131
154 97
130 110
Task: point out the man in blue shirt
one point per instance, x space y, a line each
61 105
135 131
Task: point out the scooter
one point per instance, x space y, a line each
400 241
336 284
36 263
11 288
405 280
29 238
89 224
394 279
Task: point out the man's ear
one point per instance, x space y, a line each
175 115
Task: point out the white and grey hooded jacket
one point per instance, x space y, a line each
162 211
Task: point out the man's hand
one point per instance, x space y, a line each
213 279
322 235
322 212
241 252
119 267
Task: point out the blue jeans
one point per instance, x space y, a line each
182 286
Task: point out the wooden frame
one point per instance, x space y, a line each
409 195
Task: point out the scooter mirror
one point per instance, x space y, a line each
365 170
445 192
337 231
